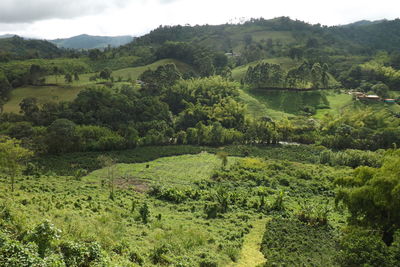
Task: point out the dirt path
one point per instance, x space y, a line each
250 255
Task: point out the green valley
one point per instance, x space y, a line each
266 142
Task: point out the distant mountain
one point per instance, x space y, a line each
85 41
363 23
362 37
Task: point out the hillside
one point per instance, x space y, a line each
85 41
282 31
20 48
56 89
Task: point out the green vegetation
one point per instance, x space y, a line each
228 145
43 94
134 73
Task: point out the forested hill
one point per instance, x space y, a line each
384 34
85 41
360 37
20 48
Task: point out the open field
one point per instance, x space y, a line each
282 103
56 89
42 93
134 73
336 103
257 108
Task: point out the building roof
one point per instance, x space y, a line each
372 96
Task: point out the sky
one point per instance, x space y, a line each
50 19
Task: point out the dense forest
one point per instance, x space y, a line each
265 143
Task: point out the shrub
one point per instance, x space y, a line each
144 212
14 253
211 210
82 254
43 235
289 242
136 258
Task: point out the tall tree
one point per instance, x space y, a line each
12 158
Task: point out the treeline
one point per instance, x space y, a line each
167 109
266 75
365 76
206 61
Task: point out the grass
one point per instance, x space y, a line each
178 170
82 209
134 73
258 108
42 93
56 89
179 192
284 103
68 164
250 255
337 101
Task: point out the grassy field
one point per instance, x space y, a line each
179 170
258 108
337 101
282 103
42 93
56 89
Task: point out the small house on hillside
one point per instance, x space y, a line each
369 97
389 100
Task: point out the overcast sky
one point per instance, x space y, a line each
64 18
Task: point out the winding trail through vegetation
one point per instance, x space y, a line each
250 255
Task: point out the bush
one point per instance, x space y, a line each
13 253
81 254
289 242
136 258
43 235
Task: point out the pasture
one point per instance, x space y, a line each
56 89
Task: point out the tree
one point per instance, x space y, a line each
94 54
381 90
76 76
56 72
5 86
109 163
12 158
325 76
372 196
29 106
316 75
68 78
61 136
223 156
35 74
105 74
217 134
